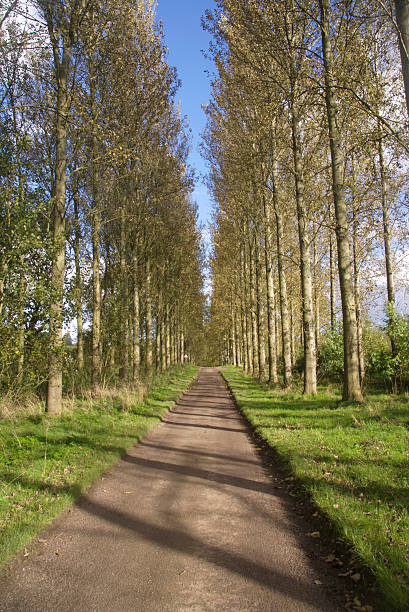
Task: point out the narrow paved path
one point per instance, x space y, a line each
187 520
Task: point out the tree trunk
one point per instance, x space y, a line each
54 389
332 281
124 352
285 327
136 348
78 286
292 328
148 303
253 314
352 388
310 360
163 344
96 298
402 20
21 335
390 282
261 321
168 347
243 312
358 300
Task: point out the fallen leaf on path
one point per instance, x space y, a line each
314 534
26 553
182 572
317 582
356 577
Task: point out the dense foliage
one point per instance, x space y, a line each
98 230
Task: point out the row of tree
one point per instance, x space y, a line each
98 228
307 143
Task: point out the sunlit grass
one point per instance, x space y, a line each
45 463
354 462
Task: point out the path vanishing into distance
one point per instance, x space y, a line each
189 519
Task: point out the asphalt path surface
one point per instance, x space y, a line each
188 520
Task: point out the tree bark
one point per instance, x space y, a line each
96 297
136 348
352 388
285 326
390 281
148 303
361 356
78 286
124 352
310 360
54 388
261 321
253 314
332 281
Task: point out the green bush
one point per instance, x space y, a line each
378 355
331 353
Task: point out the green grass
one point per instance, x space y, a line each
46 463
353 460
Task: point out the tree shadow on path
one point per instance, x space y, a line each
291 586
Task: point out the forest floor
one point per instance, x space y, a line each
192 518
352 461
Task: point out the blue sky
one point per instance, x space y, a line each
185 39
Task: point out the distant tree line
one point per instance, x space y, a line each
97 223
307 144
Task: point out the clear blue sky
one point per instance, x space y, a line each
185 39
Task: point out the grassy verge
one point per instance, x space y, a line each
46 463
353 460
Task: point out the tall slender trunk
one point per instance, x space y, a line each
261 321
168 347
21 334
253 313
390 281
233 331
163 343
332 281
96 298
243 311
124 352
292 328
96 247
182 346
317 293
54 388
136 348
78 285
352 387
285 326
148 304
355 255
357 298
158 336
249 332
310 360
